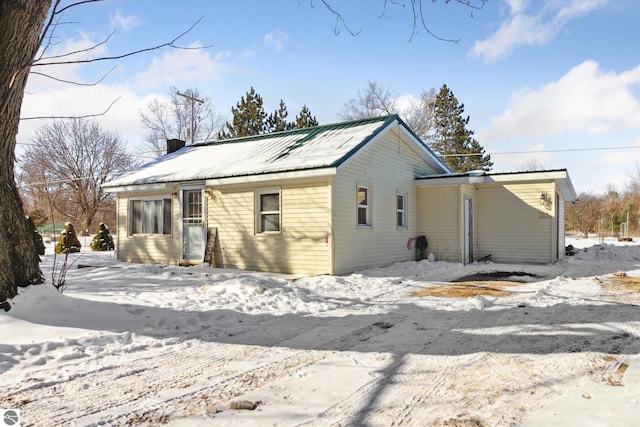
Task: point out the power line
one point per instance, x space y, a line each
564 150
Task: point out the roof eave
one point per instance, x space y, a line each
559 176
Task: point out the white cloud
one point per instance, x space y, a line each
195 66
624 157
123 117
126 23
584 99
532 23
276 39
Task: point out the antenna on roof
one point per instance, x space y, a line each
193 100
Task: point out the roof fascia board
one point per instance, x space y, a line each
442 181
277 176
560 177
135 187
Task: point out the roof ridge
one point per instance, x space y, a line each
312 129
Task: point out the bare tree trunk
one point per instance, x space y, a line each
21 22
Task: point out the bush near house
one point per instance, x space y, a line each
67 240
102 241
37 238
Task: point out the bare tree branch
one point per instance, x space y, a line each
44 61
339 20
75 52
72 82
86 116
417 12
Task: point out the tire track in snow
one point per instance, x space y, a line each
106 388
207 396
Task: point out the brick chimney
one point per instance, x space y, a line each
174 145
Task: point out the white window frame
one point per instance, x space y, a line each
160 216
401 212
367 206
259 212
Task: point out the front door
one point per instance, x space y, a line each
468 230
193 226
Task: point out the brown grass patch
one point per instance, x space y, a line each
467 289
622 282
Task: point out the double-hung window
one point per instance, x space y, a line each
150 216
401 210
364 206
268 211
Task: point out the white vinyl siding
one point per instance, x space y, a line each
513 225
440 221
387 166
302 246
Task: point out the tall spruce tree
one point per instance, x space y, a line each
451 138
249 117
304 119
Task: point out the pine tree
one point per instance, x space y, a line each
304 119
102 241
67 240
277 121
451 138
249 117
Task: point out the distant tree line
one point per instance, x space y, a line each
610 214
250 118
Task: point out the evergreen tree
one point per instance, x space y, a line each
68 240
102 241
249 117
37 238
277 121
304 119
451 138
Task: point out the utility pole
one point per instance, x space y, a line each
193 100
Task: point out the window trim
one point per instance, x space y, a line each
258 212
402 210
161 217
368 206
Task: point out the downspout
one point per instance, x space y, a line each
332 235
117 249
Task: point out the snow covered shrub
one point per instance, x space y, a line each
67 240
37 238
102 241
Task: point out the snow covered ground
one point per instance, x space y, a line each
154 344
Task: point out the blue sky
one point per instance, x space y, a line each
551 81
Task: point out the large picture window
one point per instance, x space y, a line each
268 202
151 216
364 206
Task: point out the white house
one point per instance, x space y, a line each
330 200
